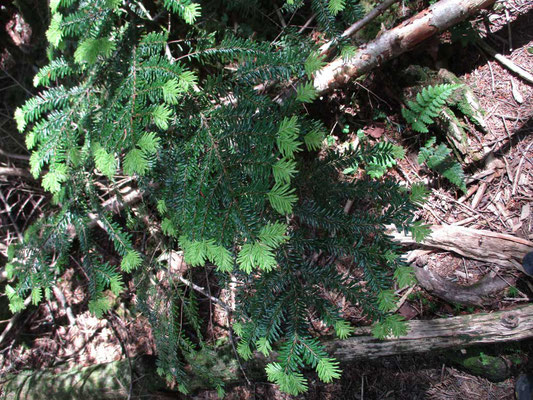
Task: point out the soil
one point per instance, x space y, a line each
499 202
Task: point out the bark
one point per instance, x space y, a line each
491 247
478 294
404 37
440 334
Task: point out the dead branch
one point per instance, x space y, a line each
491 247
390 44
13 171
326 48
511 66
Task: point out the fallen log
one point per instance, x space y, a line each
440 334
491 247
111 380
404 37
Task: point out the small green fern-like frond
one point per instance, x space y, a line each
313 63
343 329
131 261
56 69
404 276
282 198
90 49
393 325
256 255
287 137
428 105
313 139
290 382
439 159
273 235
186 9
284 170
306 93
420 231
336 6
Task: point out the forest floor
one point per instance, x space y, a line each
500 202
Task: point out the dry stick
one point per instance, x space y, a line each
326 48
12 321
476 294
12 171
124 350
488 246
509 30
519 170
280 17
8 211
511 66
402 38
63 301
307 23
201 290
423 336
14 156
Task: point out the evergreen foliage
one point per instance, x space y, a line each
234 176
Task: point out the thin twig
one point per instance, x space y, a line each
12 321
519 170
12 171
307 23
509 30
63 301
203 291
232 341
357 26
124 350
14 156
280 17
8 211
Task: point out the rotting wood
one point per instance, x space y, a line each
402 38
477 294
440 334
492 247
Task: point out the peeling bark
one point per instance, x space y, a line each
396 41
439 334
491 247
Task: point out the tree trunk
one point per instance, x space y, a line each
390 44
